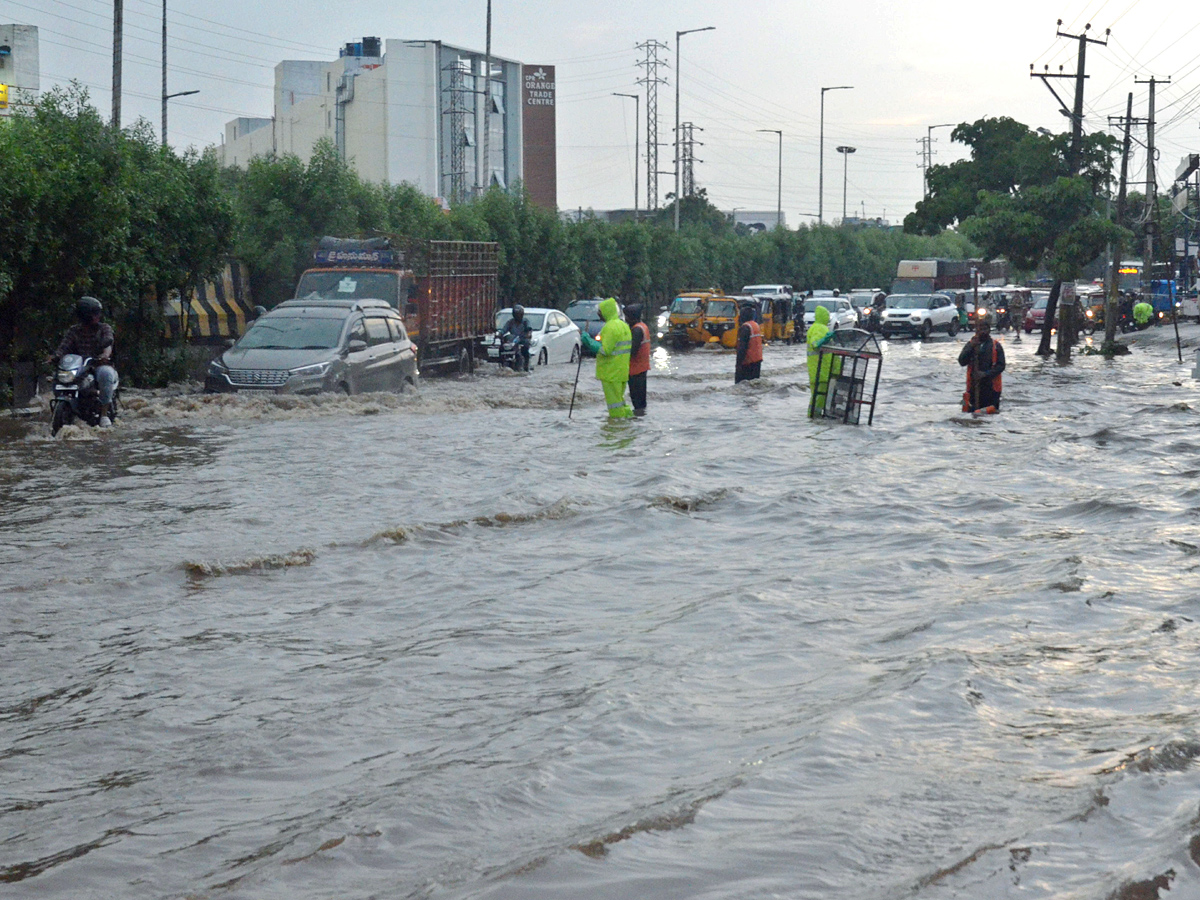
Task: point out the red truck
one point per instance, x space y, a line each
445 290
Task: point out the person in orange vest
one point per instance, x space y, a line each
639 357
749 346
984 358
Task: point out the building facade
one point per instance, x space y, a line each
409 111
20 69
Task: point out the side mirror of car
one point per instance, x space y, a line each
229 342
356 346
551 328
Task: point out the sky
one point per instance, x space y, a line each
912 64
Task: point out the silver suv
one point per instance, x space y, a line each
309 346
919 315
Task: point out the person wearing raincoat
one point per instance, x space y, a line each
612 358
818 335
1143 312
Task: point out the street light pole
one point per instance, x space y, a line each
779 195
678 35
821 165
637 105
845 151
165 95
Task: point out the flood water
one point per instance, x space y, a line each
455 645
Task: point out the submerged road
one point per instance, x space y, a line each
453 645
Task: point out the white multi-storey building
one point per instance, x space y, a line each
399 111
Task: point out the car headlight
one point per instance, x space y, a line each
317 369
216 368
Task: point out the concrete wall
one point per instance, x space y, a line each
413 110
303 106
366 123
246 138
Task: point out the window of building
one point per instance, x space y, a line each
498 97
328 119
328 83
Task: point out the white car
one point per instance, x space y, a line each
841 312
555 338
919 315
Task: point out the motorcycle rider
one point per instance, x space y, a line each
1143 312
521 333
92 339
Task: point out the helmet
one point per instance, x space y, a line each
88 307
518 311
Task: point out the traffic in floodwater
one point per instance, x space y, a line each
452 644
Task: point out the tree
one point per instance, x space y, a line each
1025 196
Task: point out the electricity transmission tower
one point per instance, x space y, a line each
687 158
454 116
651 79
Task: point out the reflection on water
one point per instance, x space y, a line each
451 644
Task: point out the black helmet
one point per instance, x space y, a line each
88 307
518 311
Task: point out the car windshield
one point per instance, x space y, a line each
810 306
344 285
1041 302
912 301
292 333
725 308
584 311
685 305
535 320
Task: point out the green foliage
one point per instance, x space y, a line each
110 213
1022 196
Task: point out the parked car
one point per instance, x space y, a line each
919 315
586 315
309 346
841 312
555 337
1036 314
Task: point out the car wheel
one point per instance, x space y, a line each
952 329
575 354
543 357
926 329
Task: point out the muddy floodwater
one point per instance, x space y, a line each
454 645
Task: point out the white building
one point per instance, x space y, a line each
398 111
19 67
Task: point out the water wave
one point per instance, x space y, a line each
204 570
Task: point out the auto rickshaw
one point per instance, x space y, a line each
775 318
685 319
721 320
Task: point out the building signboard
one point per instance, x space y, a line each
538 128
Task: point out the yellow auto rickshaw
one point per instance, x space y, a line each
685 319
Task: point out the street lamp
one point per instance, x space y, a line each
821 166
678 35
636 106
845 151
779 197
165 95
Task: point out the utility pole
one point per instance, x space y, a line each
651 80
118 30
165 95
927 153
1151 183
821 153
1074 160
687 149
1110 303
845 151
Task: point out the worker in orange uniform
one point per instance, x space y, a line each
749 346
639 357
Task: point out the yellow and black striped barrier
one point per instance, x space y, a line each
216 310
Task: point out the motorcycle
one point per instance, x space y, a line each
77 394
1003 319
512 355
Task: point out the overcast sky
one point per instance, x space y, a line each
913 63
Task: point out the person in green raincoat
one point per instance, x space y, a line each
818 335
612 358
1143 312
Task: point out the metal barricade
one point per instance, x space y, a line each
848 367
